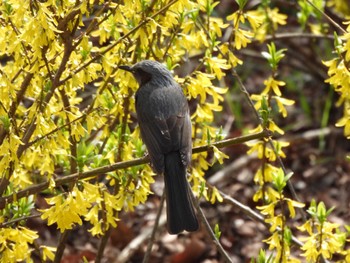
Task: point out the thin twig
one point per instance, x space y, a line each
204 220
251 213
61 246
154 230
135 244
327 17
257 115
296 35
102 245
16 220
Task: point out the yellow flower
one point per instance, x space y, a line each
14 244
274 128
242 38
219 155
275 222
268 210
273 241
273 84
276 18
66 212
217 64
48 253
255 18
280 104
291 205
215 195
344 122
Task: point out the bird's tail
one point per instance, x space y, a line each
180 212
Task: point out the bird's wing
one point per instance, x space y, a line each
186 140
167 132
155 142
180 130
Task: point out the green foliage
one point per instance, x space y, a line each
273 56
262 258
241 3
20 209
319 212
217 231
280 180
308 10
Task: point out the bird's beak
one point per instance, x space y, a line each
126 68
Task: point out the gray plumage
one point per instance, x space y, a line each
165 125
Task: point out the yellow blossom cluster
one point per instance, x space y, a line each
270 179
339 78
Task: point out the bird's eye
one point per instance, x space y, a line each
139 71
142 76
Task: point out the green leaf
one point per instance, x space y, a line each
273 56
312 208
241 3
321 212
262 256
264 111
208 137
217 231
338 44
288 235
5 121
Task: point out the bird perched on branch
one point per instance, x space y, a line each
165 125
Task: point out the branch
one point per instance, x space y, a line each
154 231
252 214
120 165
327 17
17 220
135 244
207 226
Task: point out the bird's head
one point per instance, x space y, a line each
147 70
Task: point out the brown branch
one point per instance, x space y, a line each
296 35
327 17
251 213
120 165
20 94
211 233
61 246
72 141
17 100
102 244
17 220
154 230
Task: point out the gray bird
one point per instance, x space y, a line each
165 125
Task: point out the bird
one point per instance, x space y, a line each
165 126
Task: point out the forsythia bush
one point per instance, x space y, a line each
54 52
